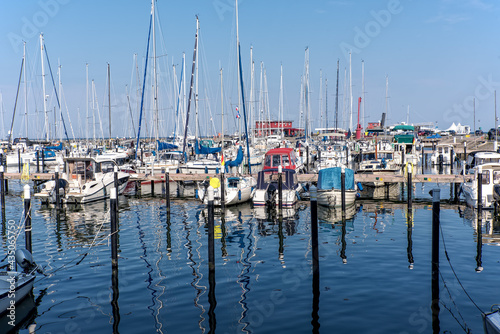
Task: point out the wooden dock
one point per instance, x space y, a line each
390 178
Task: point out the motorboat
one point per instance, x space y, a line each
84 180
284 157
380 162
490 177
329 187
267 190
237 189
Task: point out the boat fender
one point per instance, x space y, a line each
239 195
24 258
196 194
298 195
360 186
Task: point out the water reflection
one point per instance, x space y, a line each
489 233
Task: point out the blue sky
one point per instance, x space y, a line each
438 56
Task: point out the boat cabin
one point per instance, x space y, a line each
271 176
86 168
284 157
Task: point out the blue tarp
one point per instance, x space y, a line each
437 135
166 146
237 161
329 178
200 149
57 148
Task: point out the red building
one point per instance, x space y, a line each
266 128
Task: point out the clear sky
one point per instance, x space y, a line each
439 56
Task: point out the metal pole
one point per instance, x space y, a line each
409 189
280 190
211 242
27 217
19 160
56 189
479 190
115 170
313 191
222 191
114 227
435 260
342 191
167 192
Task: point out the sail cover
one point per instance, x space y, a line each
330 178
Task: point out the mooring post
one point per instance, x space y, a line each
479 190
479 236
342 191
27 217
347 155
451 159
152 188
280 190
409 188
423 159
167 192
315 257
43 160
307 159
465 151
222 191
19 163
56 188
313 191
114 227
211 242
115 174
2 188
38 161
435 259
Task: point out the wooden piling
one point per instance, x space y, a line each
114 227
211 241
435 260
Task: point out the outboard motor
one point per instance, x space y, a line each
25 260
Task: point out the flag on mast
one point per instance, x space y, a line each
237 113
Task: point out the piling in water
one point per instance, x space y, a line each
27 217
314 227
211 241
2 188
56 189
479 190
167 192
114 227
222 191
342 191
280 190
435 260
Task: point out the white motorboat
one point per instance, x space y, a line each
329 187
84 180
238 189
490 177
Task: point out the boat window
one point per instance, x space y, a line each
485 177
496 177
285 161
276 160
267 162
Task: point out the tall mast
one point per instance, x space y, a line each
387 98
222 112
239 79
44 92
59 104
196 75
320 109
109 101
363 93
474 107
350 90
93 110
281 102
337 99
326 102
155 88
252 95
87 105
25 91
496 125
261 102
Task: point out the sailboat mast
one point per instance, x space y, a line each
387 98
337 99
363 92
25 91
261 102
326 102
222 112
320 104
109 101
87 105
281 102
237 60
44 92
196 106
59 104
155 89
350 90
252 96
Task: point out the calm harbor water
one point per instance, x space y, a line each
375 273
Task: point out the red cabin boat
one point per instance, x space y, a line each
284 157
